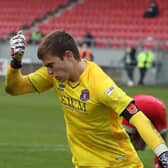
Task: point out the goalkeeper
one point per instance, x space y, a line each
92 103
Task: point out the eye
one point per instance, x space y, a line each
49 65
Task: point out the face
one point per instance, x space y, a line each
57 68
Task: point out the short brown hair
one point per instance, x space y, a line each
56 43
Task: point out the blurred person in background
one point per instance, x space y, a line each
85 52
35 37
88 39
130 63
144 62
71 1
152 11
92 103
155 110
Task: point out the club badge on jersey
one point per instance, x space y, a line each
85 95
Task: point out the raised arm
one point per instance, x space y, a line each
15 82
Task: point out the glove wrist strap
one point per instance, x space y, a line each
16 64
160 149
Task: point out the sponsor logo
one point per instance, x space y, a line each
109 90
85 95
73 104
132 109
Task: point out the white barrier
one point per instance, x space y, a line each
3 66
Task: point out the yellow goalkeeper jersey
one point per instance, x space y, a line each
92 108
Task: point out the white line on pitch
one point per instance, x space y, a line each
32 147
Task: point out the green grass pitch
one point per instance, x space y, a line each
32 130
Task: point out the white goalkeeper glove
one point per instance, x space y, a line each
163 159
17 46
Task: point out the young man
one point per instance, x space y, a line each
155 110
92 104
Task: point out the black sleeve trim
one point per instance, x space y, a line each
130 110
16 64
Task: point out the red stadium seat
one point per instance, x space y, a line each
15 14
149 44
125 23
106 20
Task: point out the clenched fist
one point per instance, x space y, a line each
17 46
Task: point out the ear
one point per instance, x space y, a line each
68 54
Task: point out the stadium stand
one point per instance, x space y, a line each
16 14
112 23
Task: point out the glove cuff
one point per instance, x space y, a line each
160 149
16 64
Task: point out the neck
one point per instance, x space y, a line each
78 70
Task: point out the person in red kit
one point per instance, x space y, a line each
155 110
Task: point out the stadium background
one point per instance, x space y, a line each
31 126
